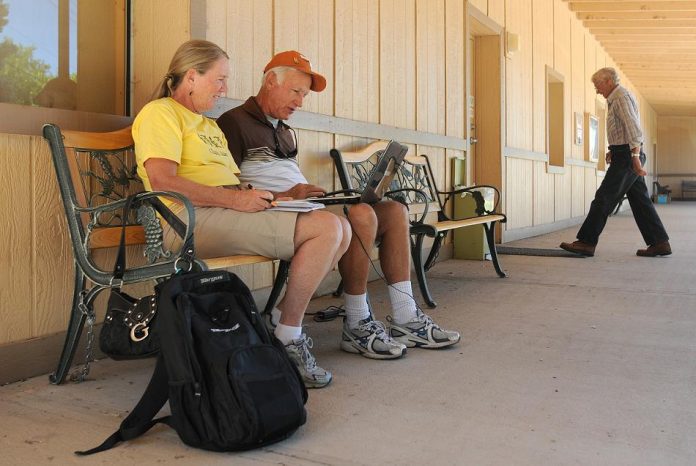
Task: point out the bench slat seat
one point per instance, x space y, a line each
96 173
448 225
415 186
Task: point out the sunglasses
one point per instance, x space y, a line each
278 151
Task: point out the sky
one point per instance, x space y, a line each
35 22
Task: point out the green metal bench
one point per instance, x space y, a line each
96 172
414 186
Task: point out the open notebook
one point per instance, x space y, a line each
298 205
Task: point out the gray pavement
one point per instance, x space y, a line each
566 361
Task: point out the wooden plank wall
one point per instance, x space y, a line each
159 27
403 63
400 63
37 257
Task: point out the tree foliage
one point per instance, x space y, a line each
21 75
4 11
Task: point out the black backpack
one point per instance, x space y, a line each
230 384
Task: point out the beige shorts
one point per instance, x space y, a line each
223 232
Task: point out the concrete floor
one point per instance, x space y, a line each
566 361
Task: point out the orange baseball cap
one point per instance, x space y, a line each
296 60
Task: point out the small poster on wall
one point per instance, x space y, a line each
578 128
593 138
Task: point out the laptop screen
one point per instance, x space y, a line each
383 173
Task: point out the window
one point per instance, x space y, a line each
555 118
68 54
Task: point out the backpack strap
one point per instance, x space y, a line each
141 419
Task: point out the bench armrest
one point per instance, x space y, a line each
139 273
475 191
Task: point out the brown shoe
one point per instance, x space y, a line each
660 249
579 247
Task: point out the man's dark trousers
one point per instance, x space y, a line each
621 180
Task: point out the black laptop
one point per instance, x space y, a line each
378 183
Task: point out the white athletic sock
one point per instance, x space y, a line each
356 308
275 316
403 305
287 334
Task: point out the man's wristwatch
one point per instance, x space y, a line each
635 154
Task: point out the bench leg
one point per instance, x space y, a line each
72 337
490 229
434 251
278 284
82 308
416 249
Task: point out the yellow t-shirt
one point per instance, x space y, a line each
166 129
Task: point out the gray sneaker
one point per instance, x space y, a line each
422 332
312 375
370 339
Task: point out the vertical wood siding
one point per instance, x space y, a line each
400 63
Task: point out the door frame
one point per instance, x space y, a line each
486 71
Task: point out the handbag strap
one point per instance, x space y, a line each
120 265
179 227
187 249
170 217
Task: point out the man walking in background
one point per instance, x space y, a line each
624 176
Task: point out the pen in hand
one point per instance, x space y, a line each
270 201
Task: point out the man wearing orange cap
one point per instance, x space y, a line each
265 148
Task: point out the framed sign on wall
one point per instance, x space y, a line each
578 128
592 145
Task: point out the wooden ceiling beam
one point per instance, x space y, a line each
650 67
656 31
638 16
675 94
630 39
640 24
684 45
662 75
649 85
648 7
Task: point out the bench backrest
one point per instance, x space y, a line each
354 168
93 170
415 176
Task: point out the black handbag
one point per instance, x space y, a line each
128 331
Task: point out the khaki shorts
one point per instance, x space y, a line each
223 232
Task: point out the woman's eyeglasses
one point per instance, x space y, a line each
278 151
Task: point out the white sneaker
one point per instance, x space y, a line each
312 375
370 339
422 332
